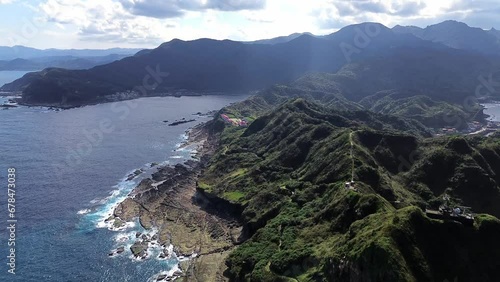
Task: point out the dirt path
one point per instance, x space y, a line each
352 155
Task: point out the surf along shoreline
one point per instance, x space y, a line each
179 220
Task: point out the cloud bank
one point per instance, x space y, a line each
151 22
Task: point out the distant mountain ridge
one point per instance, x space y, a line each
66 62
457 35
207 65
23 52
281 39
368 53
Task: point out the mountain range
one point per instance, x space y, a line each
66 62
384 59
281 39
23 52
457 35
21 58
336 173
226 66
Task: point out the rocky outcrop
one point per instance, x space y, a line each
139 249
191 222
181 122
134 174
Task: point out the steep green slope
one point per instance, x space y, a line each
287 170
274 96
468 169
329 90
431 113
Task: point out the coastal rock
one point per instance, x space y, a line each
118 223
167 202
161 277
144 186
139 249
164 254
185 265
6 106
127 210
183 121
134 174
120 250
146 220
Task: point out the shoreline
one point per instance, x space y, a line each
491 117
169 202
106 101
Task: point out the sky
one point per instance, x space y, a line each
102 24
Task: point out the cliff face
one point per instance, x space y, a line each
287 171
407 246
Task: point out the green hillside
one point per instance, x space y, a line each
287 172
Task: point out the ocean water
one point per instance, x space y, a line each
9 76
71 168
493 110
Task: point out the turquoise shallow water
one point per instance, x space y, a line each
69 176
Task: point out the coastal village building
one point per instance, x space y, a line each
234 121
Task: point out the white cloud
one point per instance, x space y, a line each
7 1
98 20
176 8
151 22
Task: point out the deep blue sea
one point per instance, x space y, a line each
71 167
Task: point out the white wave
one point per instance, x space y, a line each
84 211
126 226
169 273
125 237
108 205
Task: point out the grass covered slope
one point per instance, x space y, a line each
345 91
430 112
468 169
286 173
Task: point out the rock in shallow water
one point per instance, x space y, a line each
118 223
139 249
